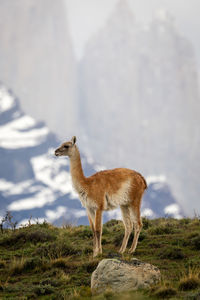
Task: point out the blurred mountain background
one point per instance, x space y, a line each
128 89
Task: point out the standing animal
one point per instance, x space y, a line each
106 190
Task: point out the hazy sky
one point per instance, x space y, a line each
87 16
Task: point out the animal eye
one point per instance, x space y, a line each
66 146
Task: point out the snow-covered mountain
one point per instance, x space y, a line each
32 181
139 91
35 184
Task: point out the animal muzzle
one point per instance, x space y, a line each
56 152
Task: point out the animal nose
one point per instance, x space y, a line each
56 152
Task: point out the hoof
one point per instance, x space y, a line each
97 253
131 250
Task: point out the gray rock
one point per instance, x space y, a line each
119 275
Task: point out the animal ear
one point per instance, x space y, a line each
73 140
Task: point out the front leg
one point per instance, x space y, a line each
98 232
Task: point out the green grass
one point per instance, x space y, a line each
45 262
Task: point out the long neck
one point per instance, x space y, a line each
76 170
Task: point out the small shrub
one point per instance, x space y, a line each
165 292
85 233
162 229
85 291
118 239
56 250
59 263
105 230
50 281
142 235
2 264
192 240
146 223
20 265
10 288
90 266
32 263
40 236
17 239
192 262
172 253
184 221
41 290
112 222
187 284
195 295
190 280
195 242
87 250
195 221
104 241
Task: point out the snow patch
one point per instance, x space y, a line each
22 123
5 185
158 186
147 212
99 168
48 170
155 179
12 136
43 197
114 214
53 215
6 100
10 188
32 221
78 213
174 210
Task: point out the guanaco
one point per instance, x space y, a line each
106 190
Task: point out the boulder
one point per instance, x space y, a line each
120 275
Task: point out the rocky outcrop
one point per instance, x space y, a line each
119 275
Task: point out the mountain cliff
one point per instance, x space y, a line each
139 90
37 60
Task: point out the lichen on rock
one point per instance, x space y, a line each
120 275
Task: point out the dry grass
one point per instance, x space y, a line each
17 266
190 280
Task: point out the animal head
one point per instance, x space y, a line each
67 148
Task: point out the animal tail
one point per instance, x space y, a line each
144 181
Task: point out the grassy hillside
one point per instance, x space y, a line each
45 262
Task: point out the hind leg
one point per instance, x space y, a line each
98 232
137 221
91 218
128 224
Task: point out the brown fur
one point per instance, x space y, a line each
106 190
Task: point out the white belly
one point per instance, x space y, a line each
119 198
